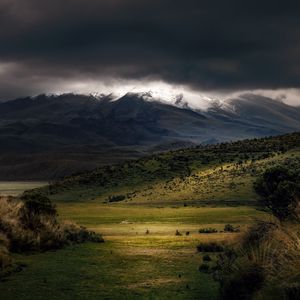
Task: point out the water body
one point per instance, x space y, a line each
14 188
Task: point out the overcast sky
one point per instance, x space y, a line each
213 46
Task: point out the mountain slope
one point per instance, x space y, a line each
222 173
52 136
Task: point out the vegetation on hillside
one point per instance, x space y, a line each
214 173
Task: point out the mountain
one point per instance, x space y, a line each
48 137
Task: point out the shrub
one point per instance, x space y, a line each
38 204
32 225
279 191
79 234
268 254
243 283
206 257
210 247
230 228
204 268
116 198
208 230
257 233
36 207
292 291
177 232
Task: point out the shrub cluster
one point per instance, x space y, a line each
210 247
30 223
267 256
116 198
208 230
230 228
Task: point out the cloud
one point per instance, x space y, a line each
207 46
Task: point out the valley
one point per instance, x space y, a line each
149 212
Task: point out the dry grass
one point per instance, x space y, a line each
268 252
44 233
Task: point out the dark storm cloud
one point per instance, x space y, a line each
208 45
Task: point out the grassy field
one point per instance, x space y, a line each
142 258
131 264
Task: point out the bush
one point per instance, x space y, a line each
230 228
204 268
208 230
243 283
38 204
292 291
268 254
206 257
210 247
116 198
32 225
279 191
79 234
36 207
257 233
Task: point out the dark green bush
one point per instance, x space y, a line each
38 204
36 207
208 230
116 198
230 228
204 268
206 257
292 291
279 190
210 247
242 284
79 234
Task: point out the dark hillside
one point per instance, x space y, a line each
212 172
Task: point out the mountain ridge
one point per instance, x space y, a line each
70 133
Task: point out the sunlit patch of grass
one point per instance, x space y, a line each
131 264
210 183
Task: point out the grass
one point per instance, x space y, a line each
213 174
142 257
130 264
220 184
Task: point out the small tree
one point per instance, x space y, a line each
279 191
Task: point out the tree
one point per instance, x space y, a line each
279 191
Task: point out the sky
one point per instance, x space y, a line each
211 48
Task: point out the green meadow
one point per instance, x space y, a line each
131 264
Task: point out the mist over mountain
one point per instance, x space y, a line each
47 137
